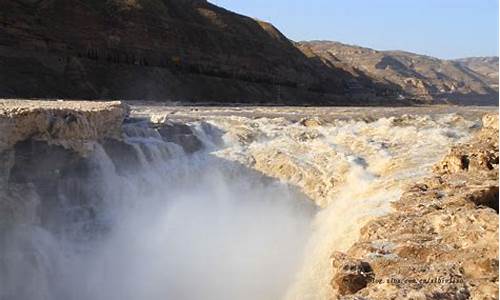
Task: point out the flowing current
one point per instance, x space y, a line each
220 224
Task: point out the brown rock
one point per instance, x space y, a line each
351 275
412 75
441 240
490 121
180 134
71 124
308 122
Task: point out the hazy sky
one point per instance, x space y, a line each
441 28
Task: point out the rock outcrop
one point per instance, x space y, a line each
72 125
423 78
48 153
351 275
441 240
180 134
43 152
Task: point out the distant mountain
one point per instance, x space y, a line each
485 66
424 78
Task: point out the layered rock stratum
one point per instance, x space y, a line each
194 51
70 124
423 78
162 50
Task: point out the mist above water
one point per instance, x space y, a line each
185 228
208 226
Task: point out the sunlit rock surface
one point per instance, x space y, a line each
40 141
69 124
429 79
441 242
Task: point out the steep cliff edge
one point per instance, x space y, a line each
158 50
441 241
424 78
72 125
48 149
43 148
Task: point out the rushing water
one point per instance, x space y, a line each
208 226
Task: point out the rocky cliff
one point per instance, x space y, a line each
45 149
441 241
423 78
158 50
70 124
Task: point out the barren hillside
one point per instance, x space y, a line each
425 78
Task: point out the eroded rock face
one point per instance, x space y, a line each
124 156
311 122
180 134
490 121
50 153
43 149
441 241
481 156
351 275
49 171
73 125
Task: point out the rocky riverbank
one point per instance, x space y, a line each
64 164
441 241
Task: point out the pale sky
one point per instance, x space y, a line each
441 28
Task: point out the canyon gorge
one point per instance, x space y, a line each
174 149
108 200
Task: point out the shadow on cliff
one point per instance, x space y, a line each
188 51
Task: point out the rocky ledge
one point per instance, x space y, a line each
47 147
71 124
441 240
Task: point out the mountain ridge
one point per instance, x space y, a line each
427 79
192 51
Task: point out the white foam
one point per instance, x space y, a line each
207 226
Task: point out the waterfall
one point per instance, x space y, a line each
150 218
383 157
169 226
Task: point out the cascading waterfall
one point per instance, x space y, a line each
384 157
161 224
173 227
